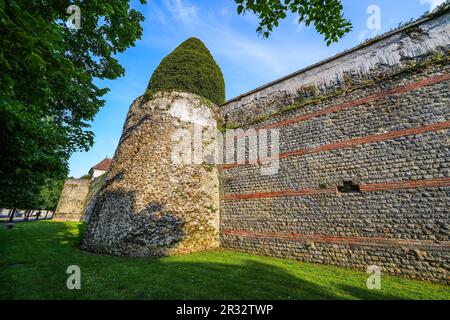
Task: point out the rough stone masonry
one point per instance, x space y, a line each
72 199
364 176
152 204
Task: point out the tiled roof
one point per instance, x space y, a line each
103 165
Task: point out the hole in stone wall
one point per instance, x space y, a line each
349 187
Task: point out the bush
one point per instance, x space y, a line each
189 68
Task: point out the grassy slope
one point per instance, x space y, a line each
34 257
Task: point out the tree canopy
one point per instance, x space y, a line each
191 68
326 15
47 90
49 194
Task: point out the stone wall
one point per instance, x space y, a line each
72 200
96 185
154 202
364 176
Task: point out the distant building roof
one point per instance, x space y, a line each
103 165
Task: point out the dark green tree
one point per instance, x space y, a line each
49 194
191 68
326 15
47 71
47 91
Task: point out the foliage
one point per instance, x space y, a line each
35 255
49 195
47 90
191 68
440 9
326 15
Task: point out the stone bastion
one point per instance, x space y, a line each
156 199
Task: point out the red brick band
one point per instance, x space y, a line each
377 96
276 194
353 142
371 98
336 239
369 139
429 183
415 184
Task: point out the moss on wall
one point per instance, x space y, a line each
310 95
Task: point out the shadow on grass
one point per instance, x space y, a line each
365 294
208 275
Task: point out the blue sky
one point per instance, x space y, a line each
246 60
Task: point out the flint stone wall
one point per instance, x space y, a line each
72 200
376 118
152 205
96 185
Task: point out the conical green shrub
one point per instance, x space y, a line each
189 68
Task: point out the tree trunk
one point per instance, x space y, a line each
28 214
11 218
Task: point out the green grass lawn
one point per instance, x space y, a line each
34 257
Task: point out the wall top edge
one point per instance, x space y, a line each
366 44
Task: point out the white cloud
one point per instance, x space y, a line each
232 40
228 42
299 26
183 11
156 15
432 3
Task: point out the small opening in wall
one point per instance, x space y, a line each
349 187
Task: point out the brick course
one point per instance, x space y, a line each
384 128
